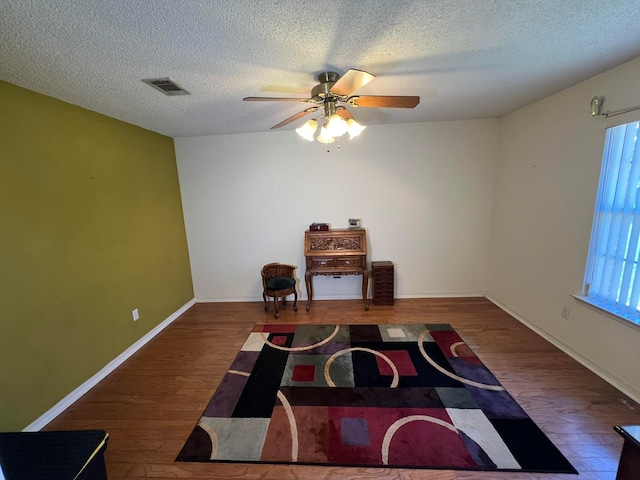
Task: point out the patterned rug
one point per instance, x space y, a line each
367 395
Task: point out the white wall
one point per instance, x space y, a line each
549 162
423 192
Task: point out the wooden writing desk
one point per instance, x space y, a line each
336 253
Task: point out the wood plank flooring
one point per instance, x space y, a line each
150 404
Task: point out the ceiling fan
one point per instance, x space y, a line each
333 91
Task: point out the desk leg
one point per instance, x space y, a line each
365 288
308 281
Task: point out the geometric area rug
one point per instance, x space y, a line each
410 396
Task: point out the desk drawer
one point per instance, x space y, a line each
321 262
352 262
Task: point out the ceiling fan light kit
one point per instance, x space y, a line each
328 94
336 126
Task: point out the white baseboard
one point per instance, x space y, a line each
341 296
443 294
67 401
599 370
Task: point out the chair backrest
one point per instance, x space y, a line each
272 270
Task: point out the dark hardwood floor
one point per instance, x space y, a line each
150 404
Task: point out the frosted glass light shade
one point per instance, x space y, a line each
307 130
336 125
354 128
325 136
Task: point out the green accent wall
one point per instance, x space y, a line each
91 227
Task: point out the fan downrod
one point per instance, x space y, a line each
328 77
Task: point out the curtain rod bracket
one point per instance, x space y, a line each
596 106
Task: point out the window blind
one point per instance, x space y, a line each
612 280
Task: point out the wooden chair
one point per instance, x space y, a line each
278 281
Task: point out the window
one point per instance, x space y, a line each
612 279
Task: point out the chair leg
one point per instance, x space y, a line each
295 301
266 303
275 306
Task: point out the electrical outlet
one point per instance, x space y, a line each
566 312
135 314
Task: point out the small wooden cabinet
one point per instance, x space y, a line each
383 280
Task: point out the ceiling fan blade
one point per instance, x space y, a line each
385 101
344 113
295 117
274 99
351 81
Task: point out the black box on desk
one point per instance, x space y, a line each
316 227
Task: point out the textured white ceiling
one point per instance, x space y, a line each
464 58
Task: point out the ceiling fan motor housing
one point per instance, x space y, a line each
323 89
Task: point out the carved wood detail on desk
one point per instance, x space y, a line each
336 252
323 243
